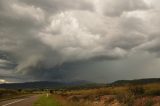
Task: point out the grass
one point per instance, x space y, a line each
152 89
46 101
126 95
98 91
143 90
65 102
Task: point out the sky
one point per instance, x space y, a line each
70 40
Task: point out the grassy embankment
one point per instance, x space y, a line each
46 101
55 100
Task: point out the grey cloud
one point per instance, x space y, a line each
54 6
58 40
151 46
116 8
151 43
133 33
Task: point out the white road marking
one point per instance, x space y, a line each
13 102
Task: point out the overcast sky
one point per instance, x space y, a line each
69 40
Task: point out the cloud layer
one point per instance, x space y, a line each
59 40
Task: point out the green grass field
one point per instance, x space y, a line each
46 101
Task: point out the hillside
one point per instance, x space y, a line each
137 81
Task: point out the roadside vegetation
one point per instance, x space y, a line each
113 95
126 95
46 101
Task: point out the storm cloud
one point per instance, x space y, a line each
95 40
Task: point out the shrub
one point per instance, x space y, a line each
136 90
127 100
153 92
149 102
51 91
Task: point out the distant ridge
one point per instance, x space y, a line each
75 84
137 81
43 85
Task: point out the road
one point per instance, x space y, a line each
20 102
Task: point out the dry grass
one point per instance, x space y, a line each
149 89
152 89
65 102
128 95
99 91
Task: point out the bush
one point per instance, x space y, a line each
127 100
149 102
154 92
136 90
51 91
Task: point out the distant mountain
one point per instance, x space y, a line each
43 85
74 85
137 81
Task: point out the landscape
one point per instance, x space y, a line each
142 92
79 52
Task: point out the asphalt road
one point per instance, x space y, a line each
29 101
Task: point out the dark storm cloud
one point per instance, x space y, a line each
63 40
